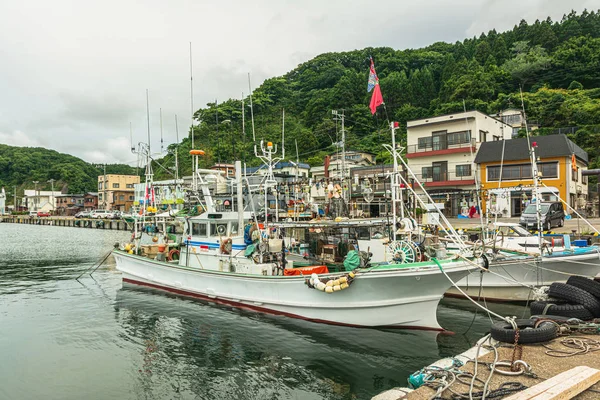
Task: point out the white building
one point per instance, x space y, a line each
2 202
441 151
42 200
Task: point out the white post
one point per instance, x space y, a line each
240 198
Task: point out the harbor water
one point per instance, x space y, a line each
96 339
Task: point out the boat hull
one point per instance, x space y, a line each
501 286
400 298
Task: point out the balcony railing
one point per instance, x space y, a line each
444 177
415 148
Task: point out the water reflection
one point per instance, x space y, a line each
94 336
254 352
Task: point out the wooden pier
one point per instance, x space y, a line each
84 223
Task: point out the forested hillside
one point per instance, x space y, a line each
20 166
557 65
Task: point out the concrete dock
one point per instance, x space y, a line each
108 224
546 360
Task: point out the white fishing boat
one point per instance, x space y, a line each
231 258
517 265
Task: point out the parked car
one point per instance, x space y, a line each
101 214
552 214
117 214
32 214
83 214
43 214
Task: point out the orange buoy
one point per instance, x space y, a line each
197 152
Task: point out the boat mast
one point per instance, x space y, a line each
176 150
192 95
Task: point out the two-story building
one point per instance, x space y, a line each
69 204
40 200
90 201
506 173
107 184
441 151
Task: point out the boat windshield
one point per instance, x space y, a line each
531 209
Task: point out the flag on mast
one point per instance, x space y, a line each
373 84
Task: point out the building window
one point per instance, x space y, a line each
584 179
459 137
99 185
510 172
549 170
129 186
463 170
426 172
100 196
482 136
122 197
131 198
115 185
575 174
425 142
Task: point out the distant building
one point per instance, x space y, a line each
107 184
167 193
69 204
2 202
370 191
334 164
282 168
41 200
505 170
90 201
441 150
514 118
227 169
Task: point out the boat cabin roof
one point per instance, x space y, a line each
332 223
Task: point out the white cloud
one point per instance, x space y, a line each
77 79
18 138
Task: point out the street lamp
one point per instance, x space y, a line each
35 193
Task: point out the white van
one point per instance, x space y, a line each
101 214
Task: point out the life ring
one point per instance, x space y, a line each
226 246
173 255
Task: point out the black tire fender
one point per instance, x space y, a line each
589 285
574 295
562 310
504 332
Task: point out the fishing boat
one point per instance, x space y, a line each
521 263
232 258
517 264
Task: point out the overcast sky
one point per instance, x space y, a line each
74 74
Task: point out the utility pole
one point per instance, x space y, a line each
35 194
15 200
51 182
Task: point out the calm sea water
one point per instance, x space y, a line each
96 339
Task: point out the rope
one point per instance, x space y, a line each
509 320
580 345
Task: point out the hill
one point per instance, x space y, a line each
20 166
556 64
